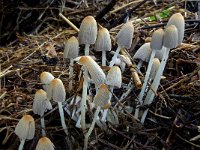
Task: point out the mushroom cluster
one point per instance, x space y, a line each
100 81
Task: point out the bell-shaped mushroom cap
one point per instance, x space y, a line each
114 77
56 90
25 128
41 104
71 48
154 68
125 35
103 42
178 20
157 40
143 53
102 97
95 71
159 54
45 78
44 144
170 37
88 31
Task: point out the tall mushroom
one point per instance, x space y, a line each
25 129
103 43
71 51
40 105
124 39
45 78
156 44
170 41
101 100
44 143
88 33
97 76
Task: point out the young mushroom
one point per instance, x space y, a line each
88 33
143 54
98 77
103 43
170 41
44 143
154 69
71 51
25 129
45 78
101 100
40 105
114 79
156 45
124 39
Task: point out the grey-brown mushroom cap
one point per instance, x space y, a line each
56 90
114 77
157 40
103 42
125 35
44 144
45 78
25 128
178 20
41 104
143 53
88 31
170 37
71 49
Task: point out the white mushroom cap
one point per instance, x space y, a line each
114 77
41 104
157 40
56 90
143 53
102 97
178 20
125 35
25 128
88 31
95 71
44 144
154 68
45 78
103 42
170 37
71 48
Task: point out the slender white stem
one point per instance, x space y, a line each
140 96
103 58
71 73
43 126
150 95
105 111
115 56
21 144
62 118
87 49
91 127
83 101
139 65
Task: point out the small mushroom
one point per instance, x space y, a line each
40 105
124 39
71 51
25 129
44 143
45 78
103 43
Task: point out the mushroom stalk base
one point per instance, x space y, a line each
21 144
43 126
